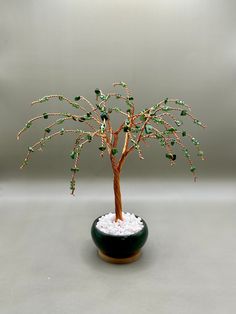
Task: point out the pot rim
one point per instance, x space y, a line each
121 236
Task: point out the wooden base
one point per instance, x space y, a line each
115 260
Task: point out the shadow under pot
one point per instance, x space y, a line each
119 249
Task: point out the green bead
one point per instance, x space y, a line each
166 108
28 125
192 169
62 131
45 115
159 136
195 142
75 105
104 116
183 113
102 148
89 138
43 99
166 100
73 154
114 151
142 117
75 169
102 128
148 128
30 149
60 121
126 128
186 153
171 156
128 110
179 102
158 120
197 122
103 97
60 98
162 142
171 130
184 133
200 153
172 142
123 84
97 91
178 123
48 130
77 98
118 96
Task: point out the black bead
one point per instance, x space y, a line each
45 115
104 116
97 91
77 98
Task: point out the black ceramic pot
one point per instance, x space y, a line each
116 248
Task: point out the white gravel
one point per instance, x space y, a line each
129 225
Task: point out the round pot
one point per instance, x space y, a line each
117 248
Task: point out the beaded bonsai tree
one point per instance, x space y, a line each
159 122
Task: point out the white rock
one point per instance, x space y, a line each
129 225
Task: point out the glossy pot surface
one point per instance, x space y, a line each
118 246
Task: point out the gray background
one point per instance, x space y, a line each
181 49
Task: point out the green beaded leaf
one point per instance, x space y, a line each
97 91
104 116
73 154
186 153
43 99
200 153
142 117
75 105
89 137
114 151
60 121
45 115
179 102
171 156
30 149
74 169
178 123
195 141
197 122
166 108
148 128
126 128
158 120
28 125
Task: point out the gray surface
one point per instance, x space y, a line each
48 263
181 49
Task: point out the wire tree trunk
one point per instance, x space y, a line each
117 194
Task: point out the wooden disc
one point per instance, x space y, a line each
124 260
